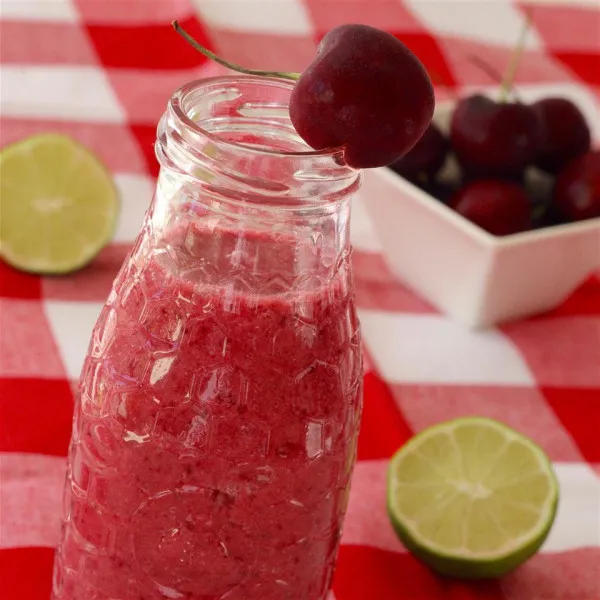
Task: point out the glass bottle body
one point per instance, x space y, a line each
216 429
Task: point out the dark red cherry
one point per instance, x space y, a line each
426 158
577 188
365 91
565 133
499 207
494 139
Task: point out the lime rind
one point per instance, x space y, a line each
38 236
460 562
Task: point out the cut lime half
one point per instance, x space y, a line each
472 498
58 205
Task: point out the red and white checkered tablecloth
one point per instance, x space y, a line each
102 71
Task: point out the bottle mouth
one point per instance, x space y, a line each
189 100
233 137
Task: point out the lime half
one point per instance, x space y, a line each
472 498
58 205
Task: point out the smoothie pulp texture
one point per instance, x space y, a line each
216 430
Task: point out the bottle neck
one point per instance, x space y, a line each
232 161
234 136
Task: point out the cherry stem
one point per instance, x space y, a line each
511 72
491 72
212 56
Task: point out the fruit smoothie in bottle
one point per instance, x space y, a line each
216 431
220 399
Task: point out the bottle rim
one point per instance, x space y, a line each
178 106
193 141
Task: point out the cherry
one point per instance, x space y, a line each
565 133
365 91
426 158
577 188
494 139
499 207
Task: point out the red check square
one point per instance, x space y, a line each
433 56
523 408
144 46
269 51
534 67
49 44
579 413
577 579
366 573
144 94
27 346
91 284
14 284
132 12
114 144
383 428
557 23
383 14
24 403
586 65
145 137
583 301
562 352
26 573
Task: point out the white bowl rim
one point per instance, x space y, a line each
429 202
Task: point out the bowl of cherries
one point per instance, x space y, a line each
494 214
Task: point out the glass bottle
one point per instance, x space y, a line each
216 429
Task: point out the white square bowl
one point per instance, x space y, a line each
478 279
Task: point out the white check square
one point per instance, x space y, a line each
577 522
136 194
266 16
491 21
70 93
72 324
416 348
362 231
39 10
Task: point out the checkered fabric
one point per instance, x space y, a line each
102 71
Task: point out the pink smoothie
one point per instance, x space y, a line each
216 433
